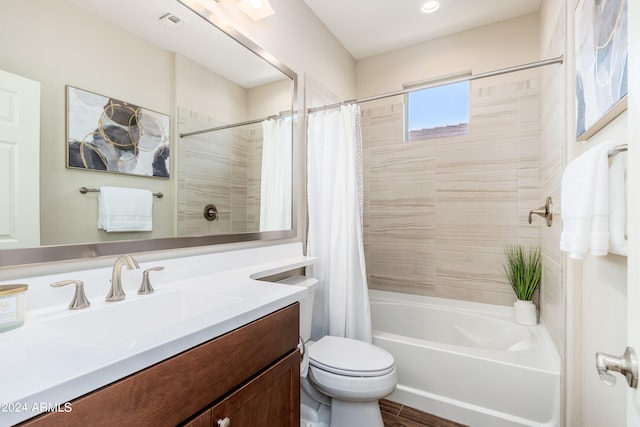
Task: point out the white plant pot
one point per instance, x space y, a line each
525 313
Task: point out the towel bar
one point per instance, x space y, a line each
617 149
545 211
85 190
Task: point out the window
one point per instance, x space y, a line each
437 112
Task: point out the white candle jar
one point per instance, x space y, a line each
12 306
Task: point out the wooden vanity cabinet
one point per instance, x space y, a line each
250 375
265 401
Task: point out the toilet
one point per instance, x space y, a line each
342 379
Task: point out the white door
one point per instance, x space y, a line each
19 161
633 223
633 269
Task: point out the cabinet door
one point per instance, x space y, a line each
202 420
271 399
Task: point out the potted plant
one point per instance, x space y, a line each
523 269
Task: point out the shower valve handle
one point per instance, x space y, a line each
545 211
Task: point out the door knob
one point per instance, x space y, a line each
627 365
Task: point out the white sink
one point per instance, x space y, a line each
136 317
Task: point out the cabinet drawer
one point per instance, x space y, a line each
173 390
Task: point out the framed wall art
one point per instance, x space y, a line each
111 135
601 64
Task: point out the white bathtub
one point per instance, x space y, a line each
468 362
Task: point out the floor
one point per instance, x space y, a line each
398 415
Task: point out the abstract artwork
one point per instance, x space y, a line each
107 134
601 63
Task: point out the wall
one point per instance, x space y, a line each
443 234
552 148
212 168
296 37
200 90
221 168
595 301
439 212
505 44
603 286
552 160
601 283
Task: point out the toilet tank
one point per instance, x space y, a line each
306 304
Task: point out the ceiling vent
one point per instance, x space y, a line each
171 20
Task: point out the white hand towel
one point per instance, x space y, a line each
618 204
585 203
125 209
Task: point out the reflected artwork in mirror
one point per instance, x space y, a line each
111 135
184 68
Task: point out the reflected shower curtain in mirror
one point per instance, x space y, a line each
335 224
275 180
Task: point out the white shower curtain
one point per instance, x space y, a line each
275 179
335 224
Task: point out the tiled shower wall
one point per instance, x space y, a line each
222 168
439 212
553 303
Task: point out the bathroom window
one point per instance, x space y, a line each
437 112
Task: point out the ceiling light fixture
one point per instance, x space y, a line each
430 6
256 9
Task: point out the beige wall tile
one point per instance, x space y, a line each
222 168
403 261
439 212
552 161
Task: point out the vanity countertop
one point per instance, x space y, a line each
59 354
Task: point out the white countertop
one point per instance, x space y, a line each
46 367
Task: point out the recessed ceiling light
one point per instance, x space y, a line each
430 6
256 9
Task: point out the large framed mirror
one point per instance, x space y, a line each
228 101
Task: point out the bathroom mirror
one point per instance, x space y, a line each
171 57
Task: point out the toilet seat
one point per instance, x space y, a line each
353 388
349 357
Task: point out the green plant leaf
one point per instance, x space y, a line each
523 269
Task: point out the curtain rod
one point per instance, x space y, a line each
235 125
557 60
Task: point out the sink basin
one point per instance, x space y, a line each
136 317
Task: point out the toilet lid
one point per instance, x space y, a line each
345 356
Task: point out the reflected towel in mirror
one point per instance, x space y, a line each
125 209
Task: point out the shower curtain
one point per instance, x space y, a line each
334 191
275 179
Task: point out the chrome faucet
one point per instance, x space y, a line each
79 298
116 293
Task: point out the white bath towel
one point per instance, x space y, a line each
618 204
585 203
125 209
